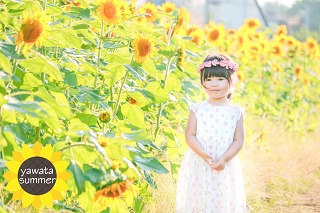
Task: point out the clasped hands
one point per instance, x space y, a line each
218 164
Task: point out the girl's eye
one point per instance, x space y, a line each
221 79
208 79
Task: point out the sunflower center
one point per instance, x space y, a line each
31 31
214 35
144 47
252 24
109 10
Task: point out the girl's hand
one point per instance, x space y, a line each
219 164
208 159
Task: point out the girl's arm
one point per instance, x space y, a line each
235 147
192 141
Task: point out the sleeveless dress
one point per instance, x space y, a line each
199 187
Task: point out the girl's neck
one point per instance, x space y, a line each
218 102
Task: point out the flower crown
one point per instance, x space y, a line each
223 63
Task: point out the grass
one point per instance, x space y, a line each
277 164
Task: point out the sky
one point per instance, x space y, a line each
288 3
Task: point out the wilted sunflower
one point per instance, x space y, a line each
151 9
114 191
110 11
33 31
168 7
142 47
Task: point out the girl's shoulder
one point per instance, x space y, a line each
196 106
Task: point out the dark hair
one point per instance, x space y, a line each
218 71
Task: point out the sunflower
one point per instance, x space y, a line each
298 71
215 34
110 11
114 191
276 49
142 47
46 185
181 55
125 10
281 30
168 7
312 47
150 10
105 117
197 36
33 31
183 17
252 23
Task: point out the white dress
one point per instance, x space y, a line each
199 187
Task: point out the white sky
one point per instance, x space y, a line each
284 2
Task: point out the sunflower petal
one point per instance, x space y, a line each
13 166
27 152
17 156
56 195
13 185
56 156
37 148
64 175
17 195
10 175
27 199
60 166
46 152
60 185
36 202
46 199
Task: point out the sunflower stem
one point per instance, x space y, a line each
161 104
98 61
44 4
76 144
120 91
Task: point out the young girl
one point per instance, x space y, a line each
210 177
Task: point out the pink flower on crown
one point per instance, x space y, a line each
215 62
207 64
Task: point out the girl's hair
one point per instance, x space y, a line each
219 71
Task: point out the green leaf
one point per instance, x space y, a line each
41 64
88 119
147 176
94 175
9 50
150 164
115 72
78 176
30 108
149 67
139 135
5 63
78 13
70 79
134 113
134 72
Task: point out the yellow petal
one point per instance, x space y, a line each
56 195
13 166
61 166
10 175
60 185
17 195
46 152
36 202
46 199
13 185
56 156
17 156
64 175
37 148
27 199
27 152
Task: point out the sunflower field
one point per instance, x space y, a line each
110 86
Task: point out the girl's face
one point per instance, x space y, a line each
216 87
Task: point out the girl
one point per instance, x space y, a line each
210 178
